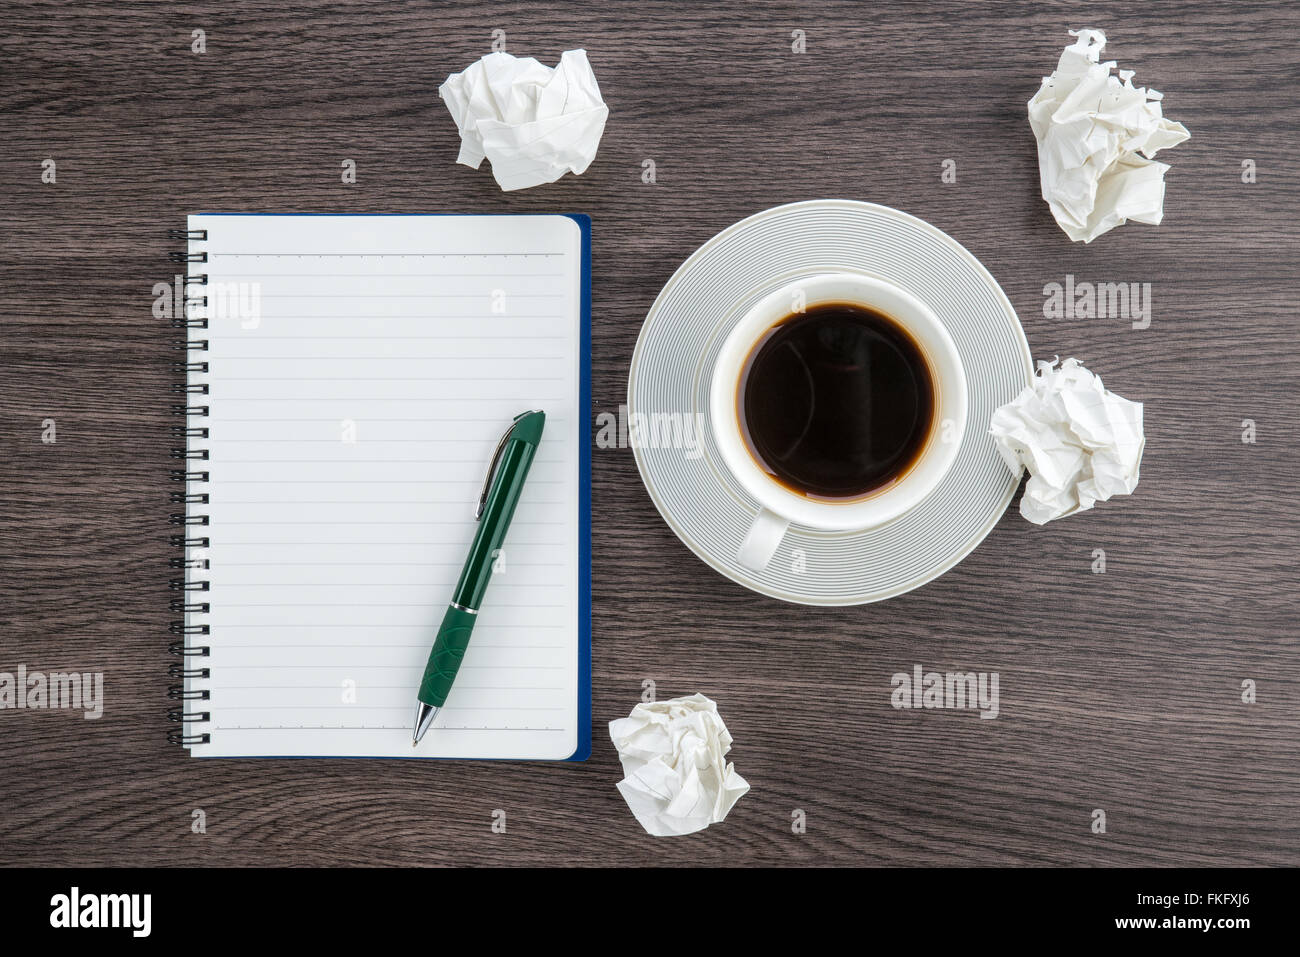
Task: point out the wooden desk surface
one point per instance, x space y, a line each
1120 691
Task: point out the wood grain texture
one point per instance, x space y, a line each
1119 691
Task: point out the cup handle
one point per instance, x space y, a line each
764 536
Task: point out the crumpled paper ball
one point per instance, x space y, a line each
1081 443
676 779
1097 134
533 123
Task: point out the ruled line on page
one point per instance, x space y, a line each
314 337
402 295
367 707
377 255
298 357
257 335
335 419
298 667
372 564
229 277
394 379
378 604
280 629
360 727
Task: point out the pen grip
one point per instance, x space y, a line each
444 660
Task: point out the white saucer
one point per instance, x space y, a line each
696 494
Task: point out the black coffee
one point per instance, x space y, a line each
836 402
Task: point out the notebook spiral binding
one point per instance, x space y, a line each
186 586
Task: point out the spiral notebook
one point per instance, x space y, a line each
346 381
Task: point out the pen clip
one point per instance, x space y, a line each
492 466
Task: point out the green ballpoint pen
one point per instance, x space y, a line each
496 507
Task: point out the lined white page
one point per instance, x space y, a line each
361 370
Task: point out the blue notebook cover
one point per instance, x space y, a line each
583 748
584 536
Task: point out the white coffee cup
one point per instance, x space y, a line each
781 506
